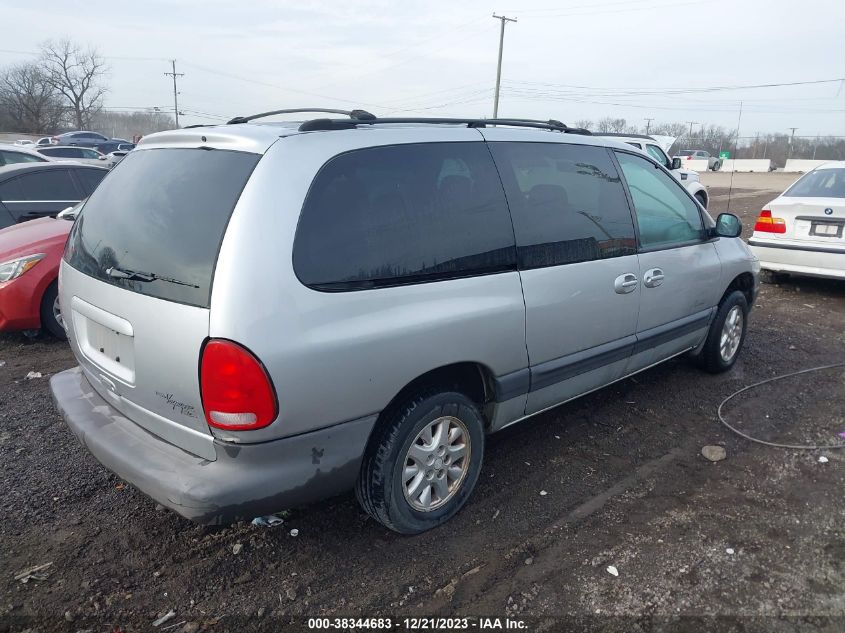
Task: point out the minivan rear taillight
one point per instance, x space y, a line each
237 394
767 224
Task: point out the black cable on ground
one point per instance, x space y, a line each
763 382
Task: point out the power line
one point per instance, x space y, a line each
663 91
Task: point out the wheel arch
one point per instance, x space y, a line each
744 282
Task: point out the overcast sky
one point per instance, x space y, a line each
568 60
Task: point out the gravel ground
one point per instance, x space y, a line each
613 479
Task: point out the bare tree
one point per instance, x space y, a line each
75 73
129 124
609 124
28 102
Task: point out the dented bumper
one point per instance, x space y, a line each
245 481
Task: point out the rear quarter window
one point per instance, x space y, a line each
403 214
157 222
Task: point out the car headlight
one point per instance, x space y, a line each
17 267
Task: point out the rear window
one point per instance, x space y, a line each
821 183
155 225
403 214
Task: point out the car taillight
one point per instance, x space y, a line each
237 394
767 224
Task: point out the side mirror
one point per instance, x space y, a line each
103 157
728 225
676 163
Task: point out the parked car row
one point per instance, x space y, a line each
93 140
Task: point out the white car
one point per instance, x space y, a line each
25 142
713 163
75 154
801 231
13 154
113 158
656 146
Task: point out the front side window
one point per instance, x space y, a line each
658 154
90 153
666 215
403 214
820 183
52 184
567 201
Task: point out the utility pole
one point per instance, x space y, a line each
648 125
791 139
174 74
691 123
502 19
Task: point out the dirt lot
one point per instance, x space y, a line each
758 538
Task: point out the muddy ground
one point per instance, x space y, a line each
758 539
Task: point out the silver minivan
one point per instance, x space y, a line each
266 314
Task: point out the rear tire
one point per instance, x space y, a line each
413 477
702 199
717 165
51 313
726 335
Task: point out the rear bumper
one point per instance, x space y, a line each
799 259
245 481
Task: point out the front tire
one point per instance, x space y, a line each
702 199
422 462
51 313
727 334
717 165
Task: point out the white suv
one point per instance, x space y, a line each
687 177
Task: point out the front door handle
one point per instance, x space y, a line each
626 283
653 278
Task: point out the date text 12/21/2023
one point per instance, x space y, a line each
417 624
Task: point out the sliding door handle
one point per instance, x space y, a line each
626 283
653 278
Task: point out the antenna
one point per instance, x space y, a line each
736 143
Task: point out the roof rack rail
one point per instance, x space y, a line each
625 135
362 115
344 124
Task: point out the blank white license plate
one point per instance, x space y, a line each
832 230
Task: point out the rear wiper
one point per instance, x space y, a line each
134 275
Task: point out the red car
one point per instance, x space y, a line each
30 254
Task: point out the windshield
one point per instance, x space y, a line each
686 152
820 183
155 225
